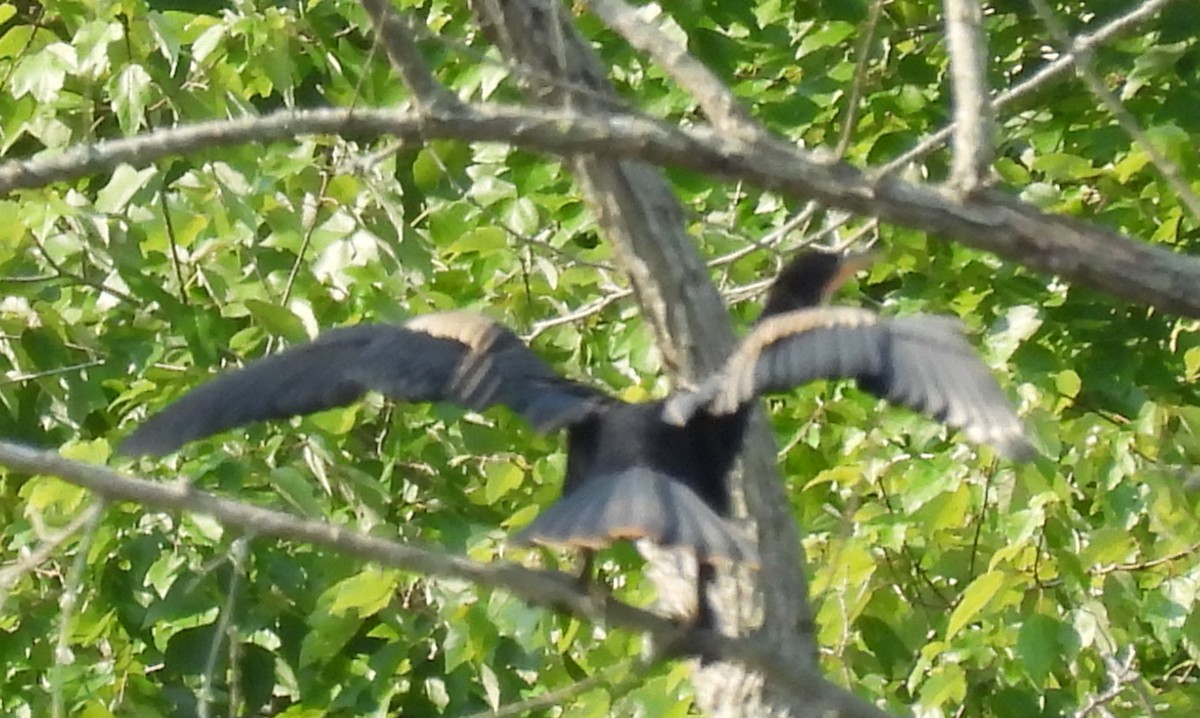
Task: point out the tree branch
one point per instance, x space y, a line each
973 121
397 34
719 104
551 589
1092 256
1063 65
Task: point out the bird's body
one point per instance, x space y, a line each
656 470
631 475
699 453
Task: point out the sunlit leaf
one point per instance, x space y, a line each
974 600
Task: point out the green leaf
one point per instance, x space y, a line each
130 95
974 600
299 490
277 320
1068 383
1019 324
502 477
1040 646
1058 166
122 187
1191 362
90 452
366 593
41 75
484 240
946 684
491 686
1109 545
46 495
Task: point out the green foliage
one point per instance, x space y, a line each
942 577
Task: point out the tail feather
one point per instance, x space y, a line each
633 504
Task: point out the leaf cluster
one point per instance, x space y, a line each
943 579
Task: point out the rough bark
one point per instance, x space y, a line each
643 220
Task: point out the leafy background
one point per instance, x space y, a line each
945 581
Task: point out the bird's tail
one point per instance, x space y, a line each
634 504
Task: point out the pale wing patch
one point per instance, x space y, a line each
470 328
739 372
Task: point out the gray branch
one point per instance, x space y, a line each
396 33
551 589
1089 255
973 122
1048 74
719 104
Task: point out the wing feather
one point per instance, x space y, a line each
922 362
459 356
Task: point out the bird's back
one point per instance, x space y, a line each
698 454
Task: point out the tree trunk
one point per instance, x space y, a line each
643 219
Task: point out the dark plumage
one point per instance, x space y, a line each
655 470
629 475
921 361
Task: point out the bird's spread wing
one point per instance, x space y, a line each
922 362
638 503
458 356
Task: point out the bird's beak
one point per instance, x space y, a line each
852 263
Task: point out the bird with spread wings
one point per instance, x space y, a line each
657 470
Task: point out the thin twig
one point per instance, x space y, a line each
862 61
715 99
20 378
587 310
12 573
80 279
223 629
173 245
311 222
1053 71
546 700
72 587
1148 564
1085 68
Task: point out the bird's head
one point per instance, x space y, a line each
811 278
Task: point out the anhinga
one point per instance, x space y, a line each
656 470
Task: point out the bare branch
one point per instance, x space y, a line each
397 34
973 122
718 102
1121 674
543 588
587 310
1043 77
1084 66
991 221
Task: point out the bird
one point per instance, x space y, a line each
656 470
628 474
